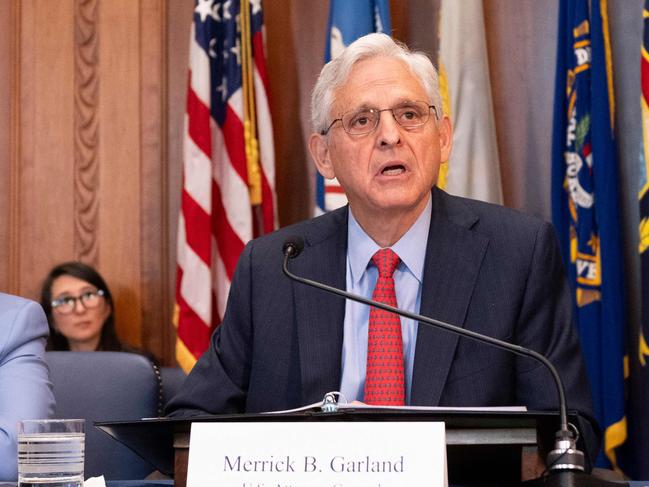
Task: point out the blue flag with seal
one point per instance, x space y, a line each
348 20
585 206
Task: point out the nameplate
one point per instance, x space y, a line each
331 454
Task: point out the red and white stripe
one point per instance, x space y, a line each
216 218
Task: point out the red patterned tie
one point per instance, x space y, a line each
384 377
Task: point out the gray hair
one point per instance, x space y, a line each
335 73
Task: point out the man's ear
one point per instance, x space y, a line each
445 130
320 152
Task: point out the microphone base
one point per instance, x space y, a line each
571 479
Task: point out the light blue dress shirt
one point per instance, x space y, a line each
361 279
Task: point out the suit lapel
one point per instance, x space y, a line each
319 315
454 255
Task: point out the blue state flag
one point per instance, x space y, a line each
585 204
348 20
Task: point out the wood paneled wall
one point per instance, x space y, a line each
83 146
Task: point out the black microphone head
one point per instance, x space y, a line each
293 246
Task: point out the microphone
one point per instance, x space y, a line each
565 457
292 247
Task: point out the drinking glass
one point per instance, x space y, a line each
51 452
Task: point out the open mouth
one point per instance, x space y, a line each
394 170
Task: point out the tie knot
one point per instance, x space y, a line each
386 261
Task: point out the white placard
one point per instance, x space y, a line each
332 454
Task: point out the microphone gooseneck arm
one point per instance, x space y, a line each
446 326
293 247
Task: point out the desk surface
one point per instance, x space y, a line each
121 483
170 483
139 483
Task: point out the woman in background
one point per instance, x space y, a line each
80 312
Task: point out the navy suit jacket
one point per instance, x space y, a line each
488 268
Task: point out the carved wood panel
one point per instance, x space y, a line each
86 134
83 144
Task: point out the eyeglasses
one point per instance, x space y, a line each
66 304
409 115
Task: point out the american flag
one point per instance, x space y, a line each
228 194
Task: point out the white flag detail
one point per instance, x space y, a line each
473 169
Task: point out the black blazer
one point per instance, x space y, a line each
488 268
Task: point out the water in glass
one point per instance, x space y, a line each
50 459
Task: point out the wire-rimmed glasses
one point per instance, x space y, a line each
363 120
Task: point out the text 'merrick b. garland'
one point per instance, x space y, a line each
308 464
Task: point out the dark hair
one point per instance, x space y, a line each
56 341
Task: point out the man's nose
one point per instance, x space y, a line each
389 131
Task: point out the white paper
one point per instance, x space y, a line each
361 406
95 482
317 454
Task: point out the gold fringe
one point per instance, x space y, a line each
184 357
643 350
614 437
609 61
444 91
249 119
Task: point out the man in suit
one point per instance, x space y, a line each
25 388
378 128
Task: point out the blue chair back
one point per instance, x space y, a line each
172 381
106 386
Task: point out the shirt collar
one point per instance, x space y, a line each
411 247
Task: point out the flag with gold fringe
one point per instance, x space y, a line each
585 207
228 194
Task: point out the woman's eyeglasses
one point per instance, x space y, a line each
66 304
